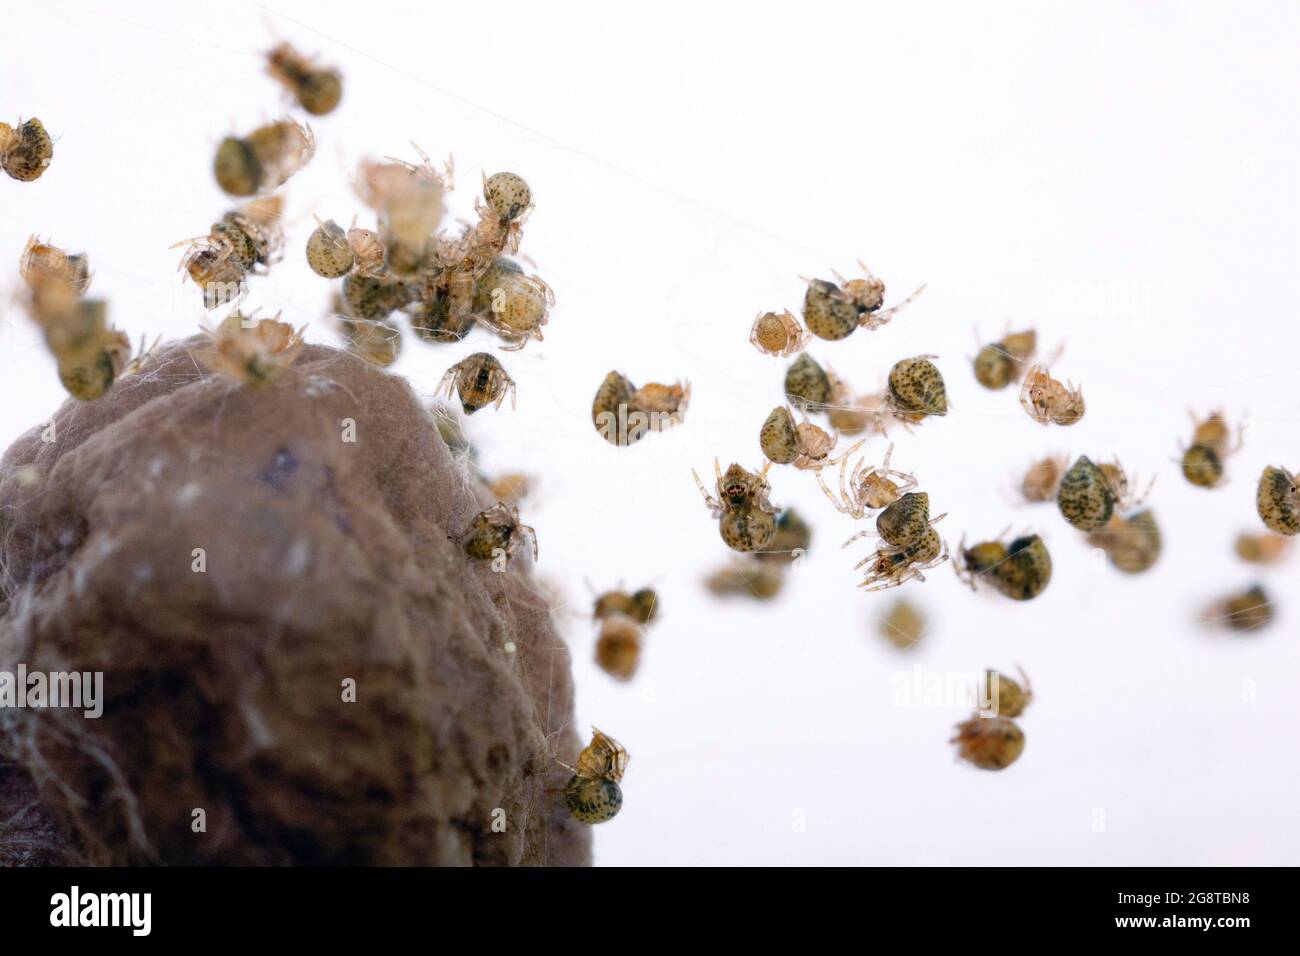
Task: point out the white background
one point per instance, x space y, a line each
1121 177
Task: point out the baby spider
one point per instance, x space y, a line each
509 203
1000 696
264 159
1090 494
990 743
792 539
642 606
747 577
593 793
868 295
869 487
496 533
808 386
1019 570
623 414
778 334
244 241
892 565
999 364
42 262
1262 548
1131 544
904 626
332 252
834 311
803 445
253 355
512 487
479 380
1245 611
916 389
1048 402
871 413
317 89
1278 500
409 201
73 327
618 648
373 341
25 152
904 521
746 519
1043 479
518 309
1212 443
90 378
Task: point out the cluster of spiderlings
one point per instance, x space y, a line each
246 241
915 390
25 152
442 283
991 739
623 620
624 414
761 574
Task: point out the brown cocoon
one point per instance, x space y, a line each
324 560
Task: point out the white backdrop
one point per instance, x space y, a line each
1123 178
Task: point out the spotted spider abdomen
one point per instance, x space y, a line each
827 311
994 368
747 529
593 800
916 385
1278 501
1202 466
779 438
507 195
1026 570
807 385
328 252
905 522
1084 497
28 151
